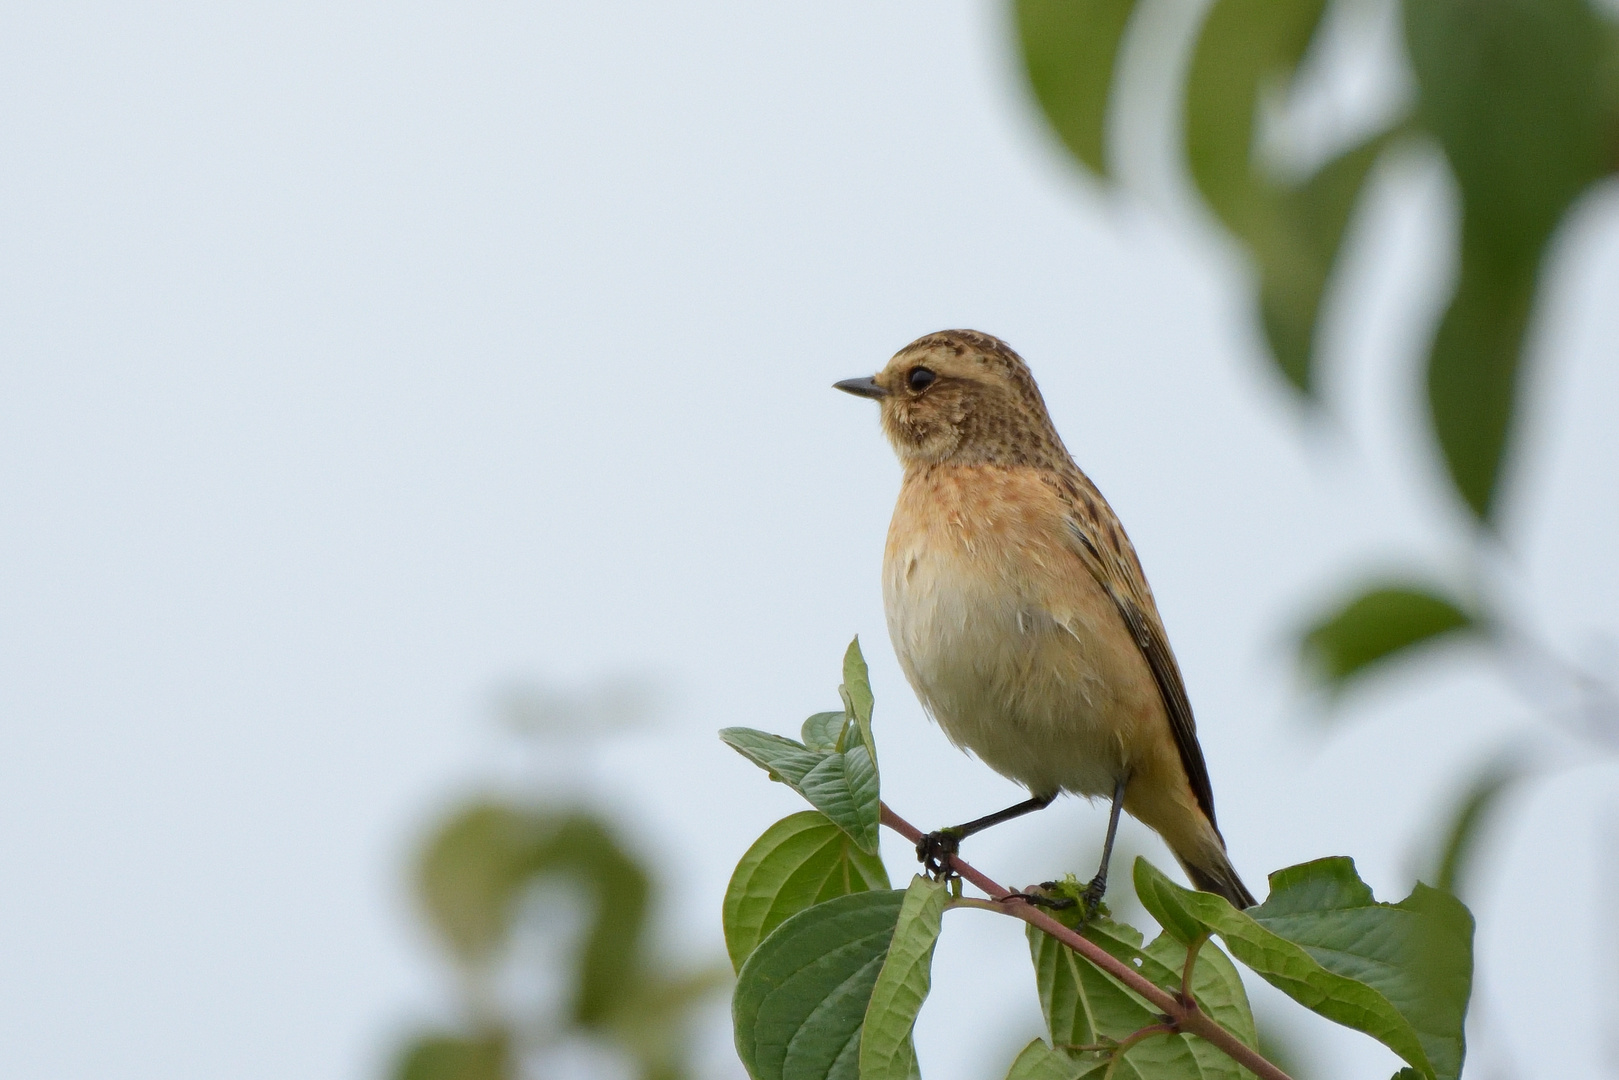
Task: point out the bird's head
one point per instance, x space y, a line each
960 397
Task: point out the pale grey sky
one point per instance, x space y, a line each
360 359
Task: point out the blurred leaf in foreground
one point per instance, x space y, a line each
1461 835
1515 92
1378 624
472 870
1070 52
452 1057
1296 239
1294 230
1243 48
472 876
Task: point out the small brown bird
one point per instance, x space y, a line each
1020 613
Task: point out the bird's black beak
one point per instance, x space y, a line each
861 388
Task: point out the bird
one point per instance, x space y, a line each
1020 614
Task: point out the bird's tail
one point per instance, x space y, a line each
1214 873
1192 835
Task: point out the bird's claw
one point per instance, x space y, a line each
1091 897
934 850
1040 896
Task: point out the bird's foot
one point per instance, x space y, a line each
1091 898
933 851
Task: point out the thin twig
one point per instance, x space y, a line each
1184 1017
1131 1039
974 902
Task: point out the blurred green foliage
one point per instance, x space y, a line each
1382 622
1070 48
1520 95
479 879
1483 793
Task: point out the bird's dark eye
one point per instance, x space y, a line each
920 379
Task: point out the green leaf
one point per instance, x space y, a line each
1293 230
472 875
856 691
1461 835
887 1051
1037 1061
654 1020
841 786
800 861
784 759
1070 50
845 789
824 730
1515 91
1243 46
1378 624
611 955
471 871
801 996
476 866
1418 954
1295 237
1217 986
1085 1006
1401 973
1473 370
1218 989
454 1057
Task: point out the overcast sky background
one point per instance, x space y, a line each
360 360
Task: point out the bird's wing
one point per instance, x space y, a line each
1101 544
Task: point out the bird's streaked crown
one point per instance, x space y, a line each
961 397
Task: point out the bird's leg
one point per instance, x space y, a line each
1098 886
934 849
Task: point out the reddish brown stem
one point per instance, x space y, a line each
1184 1016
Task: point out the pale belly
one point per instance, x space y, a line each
1037 677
